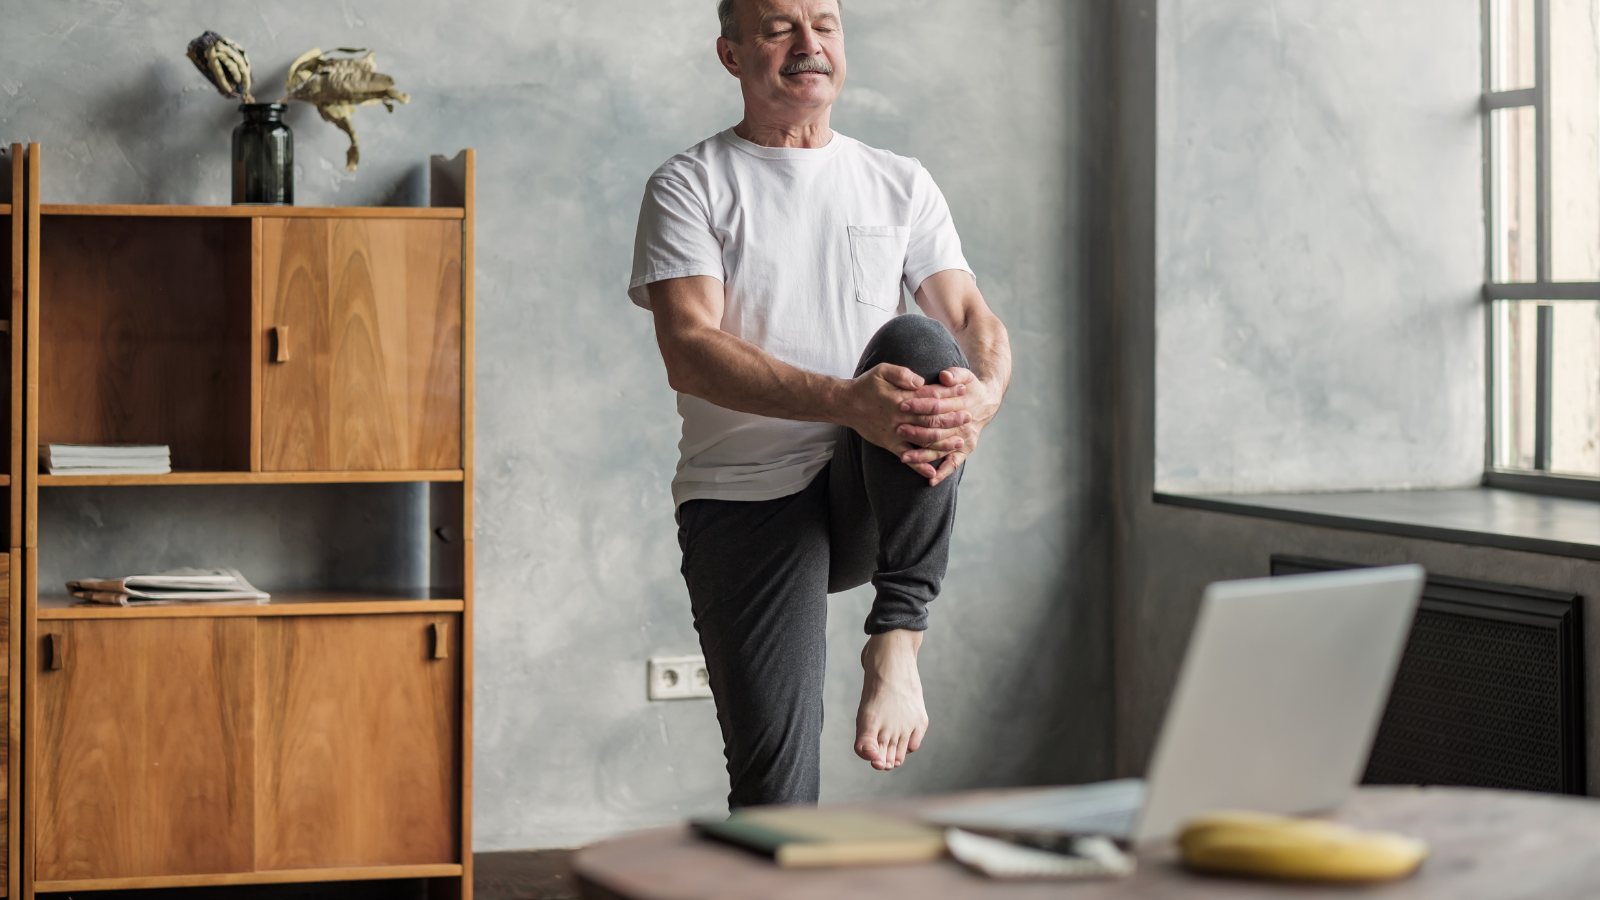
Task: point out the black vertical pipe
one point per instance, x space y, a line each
1543 364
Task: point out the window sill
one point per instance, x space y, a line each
1480 516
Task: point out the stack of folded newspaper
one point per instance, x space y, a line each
169 588
105 459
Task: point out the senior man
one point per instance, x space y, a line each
823 431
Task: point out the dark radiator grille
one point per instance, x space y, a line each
1473 702
1489 690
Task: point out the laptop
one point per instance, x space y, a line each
1277 703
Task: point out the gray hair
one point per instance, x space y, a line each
728 18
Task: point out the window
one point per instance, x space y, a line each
1542 194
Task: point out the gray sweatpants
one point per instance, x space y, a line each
759 573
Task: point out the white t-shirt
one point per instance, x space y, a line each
811 247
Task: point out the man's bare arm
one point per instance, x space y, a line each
953 298
706 362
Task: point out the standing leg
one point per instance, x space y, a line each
888 525
757 576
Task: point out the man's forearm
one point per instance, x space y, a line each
736 374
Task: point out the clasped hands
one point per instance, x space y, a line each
931 426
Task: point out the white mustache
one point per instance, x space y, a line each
808 64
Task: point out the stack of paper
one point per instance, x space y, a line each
169 588
105 459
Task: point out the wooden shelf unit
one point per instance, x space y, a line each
324 736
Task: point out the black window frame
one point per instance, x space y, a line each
1543 290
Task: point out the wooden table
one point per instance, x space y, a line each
1486 844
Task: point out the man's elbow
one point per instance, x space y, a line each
680 376
683 351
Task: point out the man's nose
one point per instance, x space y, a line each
806 42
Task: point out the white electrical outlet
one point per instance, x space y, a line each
678 678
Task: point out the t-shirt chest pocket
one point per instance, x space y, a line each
877 259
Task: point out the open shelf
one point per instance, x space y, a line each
5 209
144 336
253 212
284 603
365 476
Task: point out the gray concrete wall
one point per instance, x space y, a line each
571 104
1319 246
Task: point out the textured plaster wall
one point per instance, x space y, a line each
1319 246
571 104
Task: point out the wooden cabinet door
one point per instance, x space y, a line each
144 760
358 761
361 344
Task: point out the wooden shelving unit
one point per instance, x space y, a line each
326 735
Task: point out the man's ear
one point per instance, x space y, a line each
726 57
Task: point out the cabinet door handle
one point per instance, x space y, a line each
56 645
441 640
280 343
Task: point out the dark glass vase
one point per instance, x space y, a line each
263 156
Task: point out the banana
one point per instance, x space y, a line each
1247 843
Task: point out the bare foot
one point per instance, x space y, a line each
892 718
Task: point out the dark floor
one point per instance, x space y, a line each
523 875
511 875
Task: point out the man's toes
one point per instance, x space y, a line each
885 751
891 757
867 748
900 752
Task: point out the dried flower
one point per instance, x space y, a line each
223 63
337 85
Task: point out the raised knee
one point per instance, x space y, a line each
919 343
911 328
